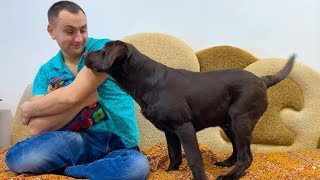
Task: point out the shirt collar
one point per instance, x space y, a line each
58 61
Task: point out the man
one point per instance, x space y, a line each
106 150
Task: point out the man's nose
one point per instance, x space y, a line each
78 37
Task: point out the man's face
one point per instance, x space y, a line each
70 32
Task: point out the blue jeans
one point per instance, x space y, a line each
84 154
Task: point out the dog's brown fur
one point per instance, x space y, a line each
181 102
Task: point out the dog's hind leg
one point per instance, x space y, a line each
232 160
174 150
242 128
244 119
188 138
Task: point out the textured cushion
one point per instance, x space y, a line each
272 132
292 102
271 129
295 105
167 50
20 131
224 57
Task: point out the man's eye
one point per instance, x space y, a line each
83 31
69 32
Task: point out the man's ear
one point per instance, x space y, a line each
117 54
51 32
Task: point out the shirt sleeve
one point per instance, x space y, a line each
40 83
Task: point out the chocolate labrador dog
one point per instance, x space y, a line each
181 102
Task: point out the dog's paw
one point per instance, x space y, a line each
225 163
173 167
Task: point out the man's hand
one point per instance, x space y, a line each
25 113
26 110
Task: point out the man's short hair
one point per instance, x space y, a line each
57 7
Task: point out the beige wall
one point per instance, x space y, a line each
5 127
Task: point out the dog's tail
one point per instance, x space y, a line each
271 80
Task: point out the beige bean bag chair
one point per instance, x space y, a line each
281 128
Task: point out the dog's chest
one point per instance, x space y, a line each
165 116
160 125
151 114
159 117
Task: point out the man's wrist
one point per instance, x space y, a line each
26 112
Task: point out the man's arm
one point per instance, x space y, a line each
39 125
33 98
62 99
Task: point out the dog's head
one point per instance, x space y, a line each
113 54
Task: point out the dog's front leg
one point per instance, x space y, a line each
188 138
174 150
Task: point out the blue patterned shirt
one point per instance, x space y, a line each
118 105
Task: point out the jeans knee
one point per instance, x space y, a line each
12 161
121 164
142 167
145 168
20 160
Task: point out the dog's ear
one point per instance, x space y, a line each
116 52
